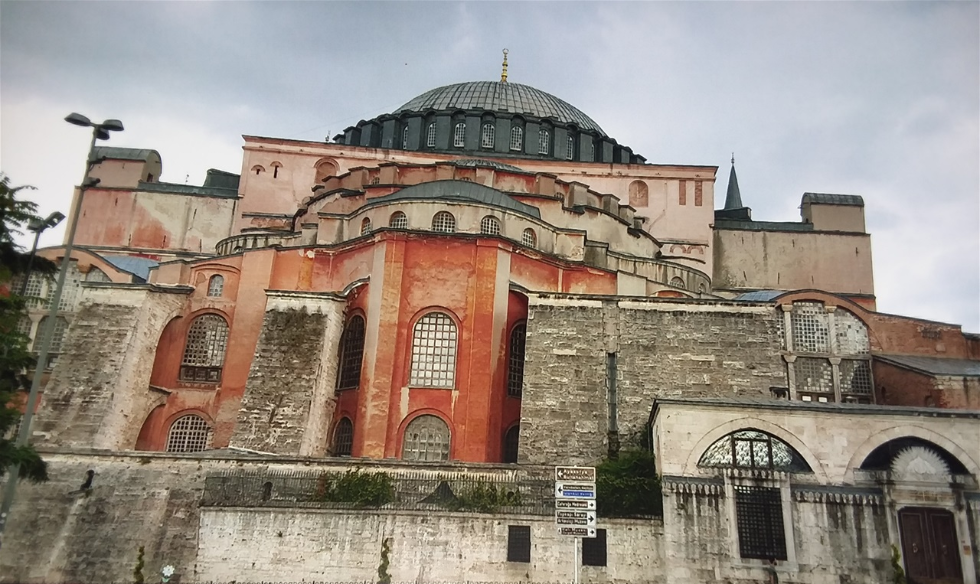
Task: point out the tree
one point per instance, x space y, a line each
14 356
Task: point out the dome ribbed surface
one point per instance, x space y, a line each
501 97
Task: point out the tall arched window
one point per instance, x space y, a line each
351 354
430 136
515 360
487 135
405 138
343 437
529 238
459 135
569 148
753 449
434 351
366 226
426 439
444 222
490 225
544 141
57 338
216 285
190 433
512 443
398 220
204 353
517 138
592 150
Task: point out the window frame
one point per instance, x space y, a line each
216 286
366 226
490 225
197 372
445 449
440 225
519 544
488 134
459 135
345 447
186 415
401 217
350 361
430 135
432 364
544 141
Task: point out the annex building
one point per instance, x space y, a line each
457 296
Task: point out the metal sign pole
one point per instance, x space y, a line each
575 541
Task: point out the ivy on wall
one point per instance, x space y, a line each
628 486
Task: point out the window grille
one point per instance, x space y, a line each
810 323
487 136
592 155
405 138
24 326
434 351
677 282
515 373
855 376
444 222
366 226
519 543
459 135
71 290
351 354
204 353
852 335
426 439
516 138
813 375
529 239
430 138
570 148
343 438
490 225
753 449
190 433
759 513
96 275
594 549
544 141
376 180
216 285
512 441
57 338
398 220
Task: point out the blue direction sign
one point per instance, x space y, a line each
588 504
574 490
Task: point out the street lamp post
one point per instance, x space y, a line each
99 132
38 226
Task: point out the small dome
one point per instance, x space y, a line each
500 97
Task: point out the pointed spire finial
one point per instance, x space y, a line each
733 159
503 73
733 200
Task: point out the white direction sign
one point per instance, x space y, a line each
586 518
575 473
574 490
575 504
577 531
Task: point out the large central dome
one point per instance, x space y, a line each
501 97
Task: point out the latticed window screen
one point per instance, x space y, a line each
459 135
57 335
430 137
216 285
512 442
544 141
398 220
594 549
71 291
487 136
529 239
351 354
189 433
427 439
366 226
204 353
811 327
752 449
24 326
96 275
855 376
759 514
516 138
434 351
677 282
570 148
405 138
343 438
852 335
444 222
515 371
490 226
35 286
813 375
519 543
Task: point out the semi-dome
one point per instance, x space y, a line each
498 96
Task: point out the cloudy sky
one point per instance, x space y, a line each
878 99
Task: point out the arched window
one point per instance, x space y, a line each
754 450
24 326
639 194
434 351
459 135
204 353
257 169
512 443
517 138
190 433
426 439
366 226
569 148
544 141
216 285
398 220
529 238
677 282
351 354
275 169
487 135
343 437
430 136
96 275
444 222
592 150
57 338
490 225
515 360
405 138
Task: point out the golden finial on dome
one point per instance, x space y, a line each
503 74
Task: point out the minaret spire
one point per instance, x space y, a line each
734 198
503 73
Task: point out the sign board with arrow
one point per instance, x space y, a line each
575 504
575 473
574 490
577 531
575 517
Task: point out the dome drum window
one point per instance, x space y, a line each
459 135
444 222
430 136
487 136
529 238
517 138
366 226
544 142
490 225
398 220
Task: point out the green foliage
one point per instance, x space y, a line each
362 489
898 577
629 486
383 576
483 497
138 570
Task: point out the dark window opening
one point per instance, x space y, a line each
594 549
519 543
515 373
511 443
343 438
759 513
351 354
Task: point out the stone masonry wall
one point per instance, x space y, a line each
289 395
662 348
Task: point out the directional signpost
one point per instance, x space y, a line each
575 503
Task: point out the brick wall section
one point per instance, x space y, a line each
663 348
98 395
289 399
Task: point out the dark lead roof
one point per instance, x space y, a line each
734 198
831 199
500 97
481 163
111 153
934 365
460 191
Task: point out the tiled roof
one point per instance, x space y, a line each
934 365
